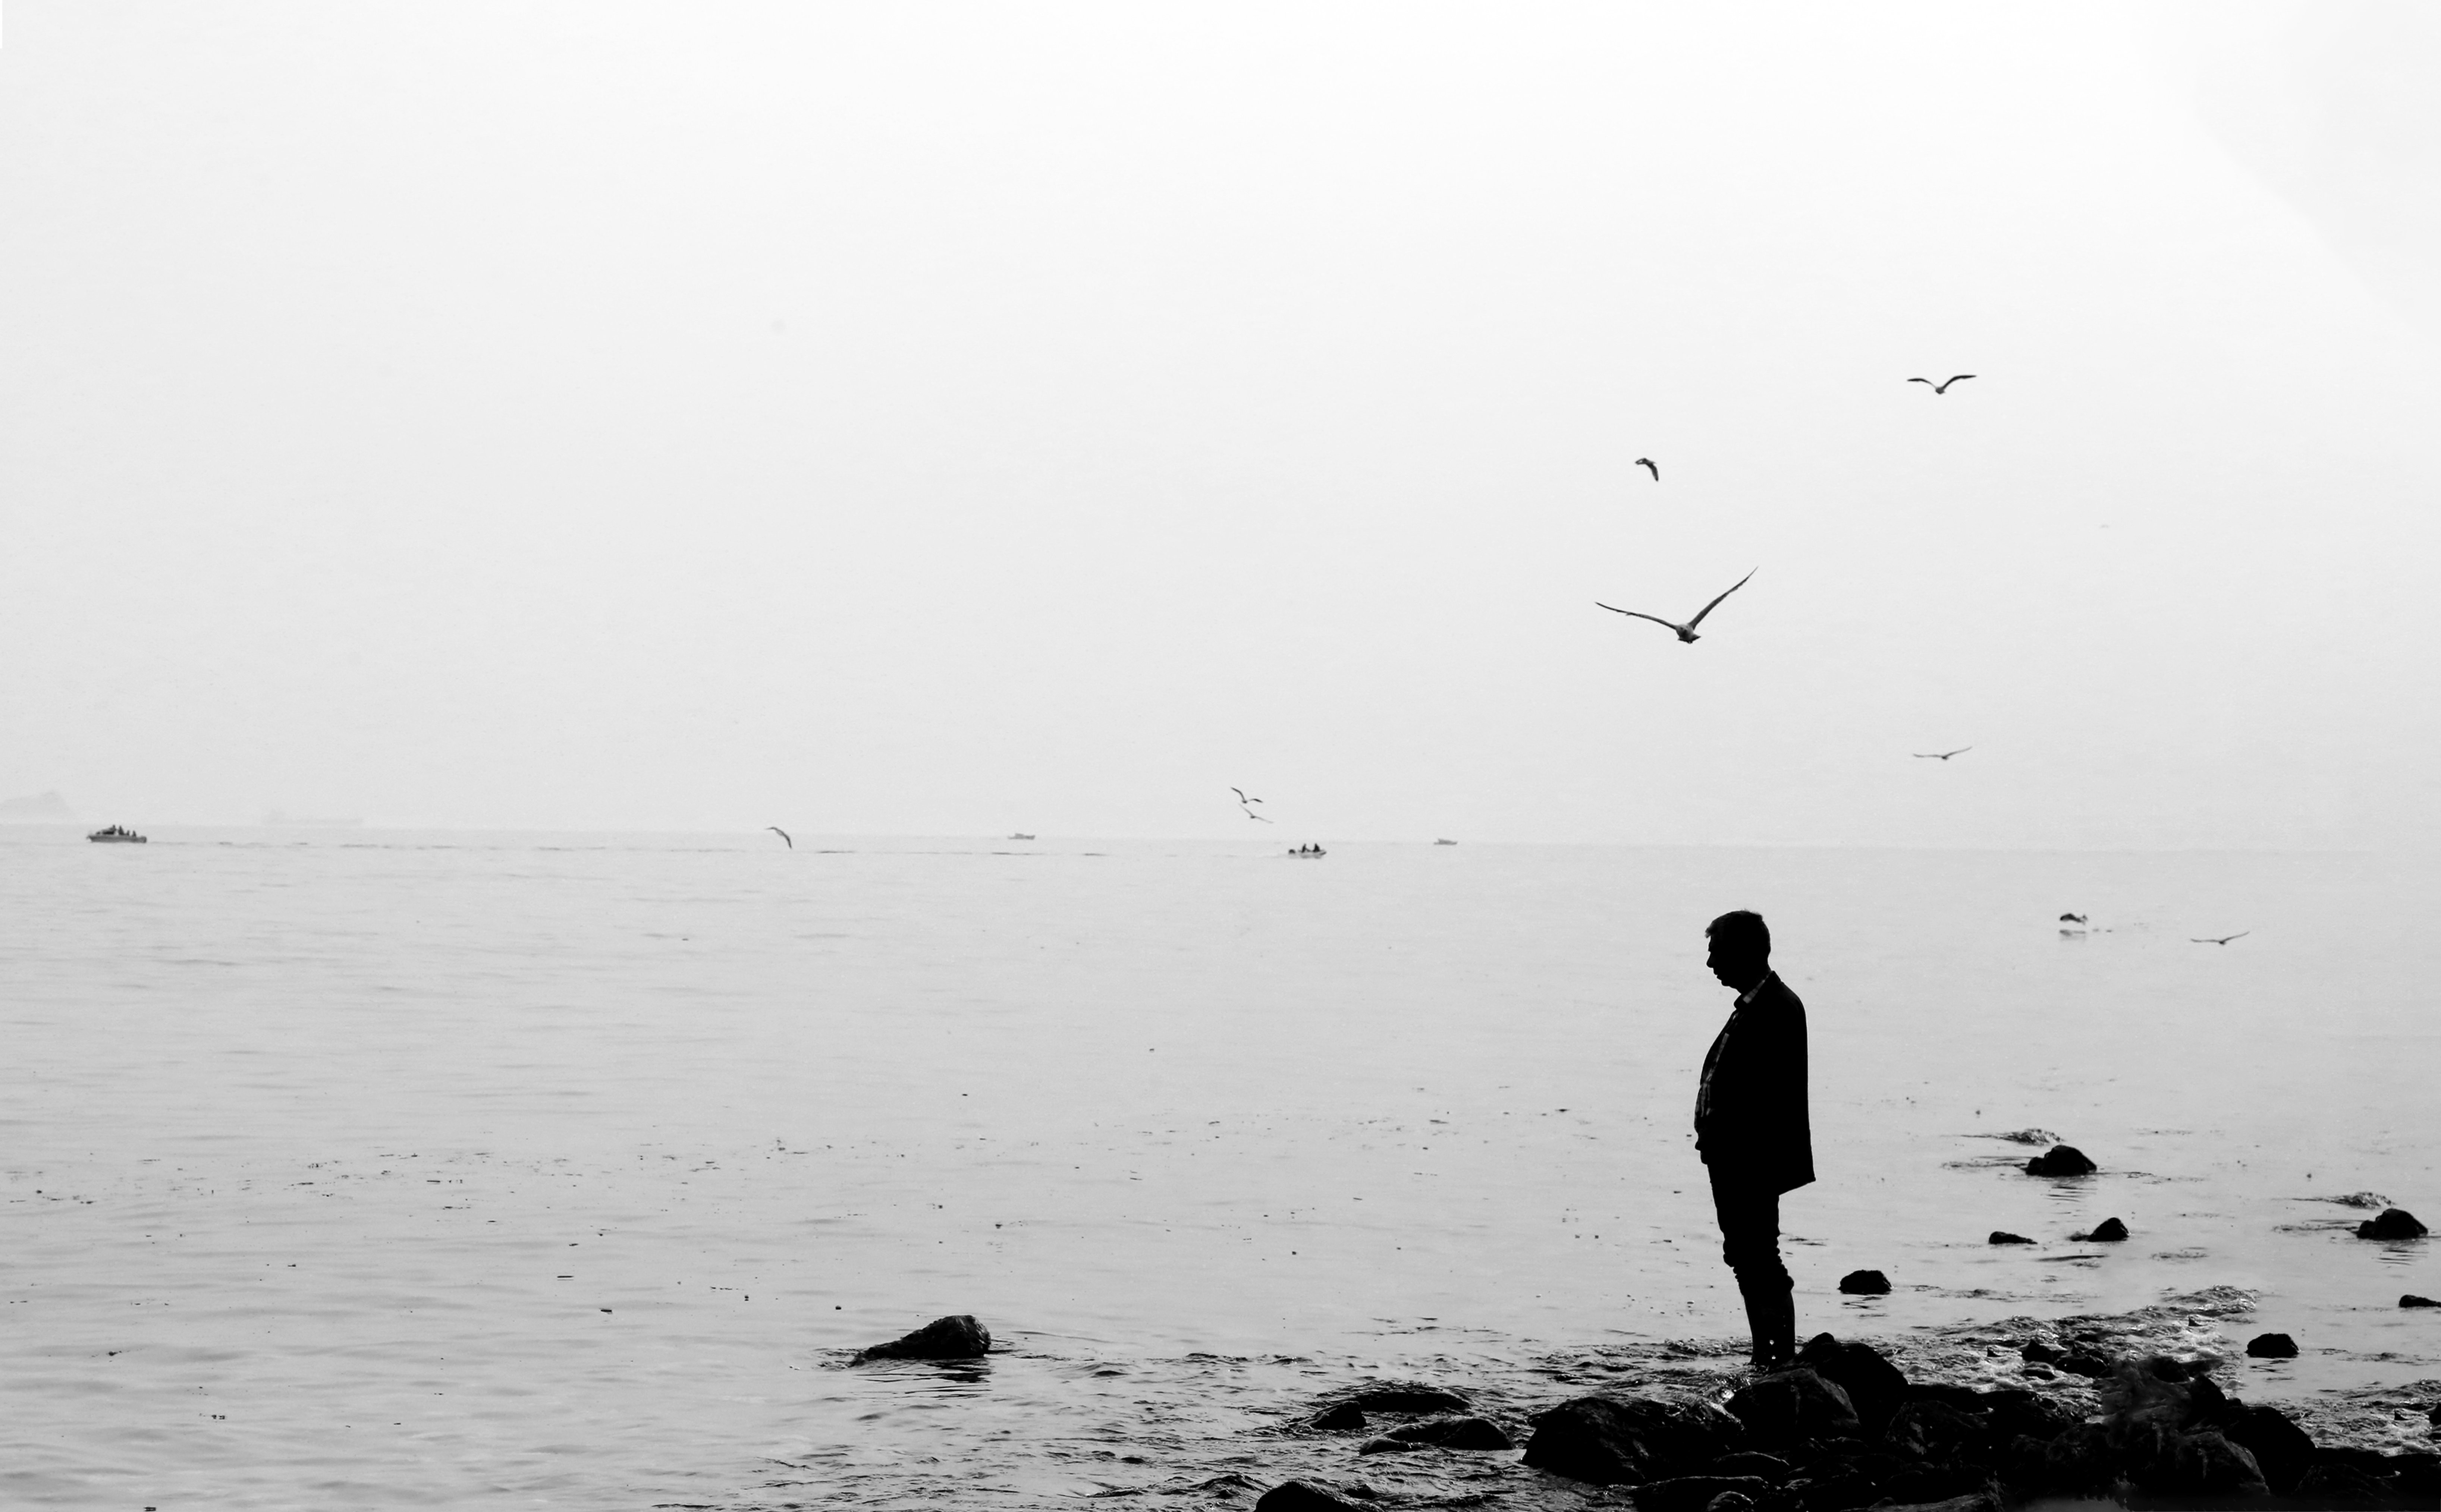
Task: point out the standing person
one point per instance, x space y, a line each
1751 1127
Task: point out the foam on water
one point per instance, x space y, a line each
478 1169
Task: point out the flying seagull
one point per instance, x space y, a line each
1686 632
1943 387
1940 755
783 833
2220 940
1248 804
2072 918
1646 462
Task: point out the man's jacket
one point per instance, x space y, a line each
1750 1115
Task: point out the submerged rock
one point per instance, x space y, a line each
2281 1449
956 1337
1300 1496
2391 1223
1864 1283
1345 1417
2109 1231
2060 1159
1934 1430
1874 1386
1697 1493
2004 1236
1623 1441
1791 1406
2412 1300
2272 1347
1451 1432
1406 1399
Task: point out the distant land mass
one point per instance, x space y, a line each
42 808
277 820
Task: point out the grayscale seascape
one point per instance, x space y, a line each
396 1169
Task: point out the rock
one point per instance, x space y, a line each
1455 1433
2060 1159
2165 1367
2272 1347
2012 1412
2391 1223
2340 1485
2109 1231
2412 1300
1973 1502
1791 1406
2036 1352
1730 1501
1874 1386
1864 1283
1406 1399
1752 1464
2085 1363
2080 1459
2004 1236
1622 1441
1934 1430
1299 1496
957 1337
2282 1449
1696 1493
1387 1445
2207 1463
1343 1418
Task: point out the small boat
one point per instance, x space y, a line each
1021 837
116 834
1445 842
1309 853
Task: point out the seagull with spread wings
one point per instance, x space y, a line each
1646 462
783 833
1685 633
1248 804
2220 939
1943 387
1940 755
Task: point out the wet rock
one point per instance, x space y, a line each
1346 1417
1301 1496
2412 1300
1696 1493
2004 1236
1623 1441
957 1337
2086 1363
2272 1347
1454 1432
1934 1430
2109 1231
1752 1464
1406 1399
2060 1159
2391 1223
2282 1449
2205 1463
2012 1412
1864 1283
2165 1367
1730 1501
1790 1406
1874 1386
1387 1445
2080 1460
1985 1501
2340 1486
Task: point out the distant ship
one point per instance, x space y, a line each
1445 842
1309 853
116 834
1021 837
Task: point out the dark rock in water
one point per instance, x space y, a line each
2060 1159
1622 1441
2281 1449
2166 1367
1298 1496
2109 1231
2012 1412
1455 1433
1754 1463
1934 1430
2340 1486
2205 1463
2004 1236
2412 1300
2272 1347
1730 1501
1387 1445
1791 1406
2080 1460
2391 1223
958 1337
1874 1386
1343 1418
1864 1283
1696 1493
1406 1399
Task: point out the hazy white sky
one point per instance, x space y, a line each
951 418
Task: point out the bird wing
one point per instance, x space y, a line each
783 833
1634 614
1926 382
1256 818
1960 751
1954 377
1646 462
1716 602
1242 798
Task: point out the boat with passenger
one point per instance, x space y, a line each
116 835
1309 853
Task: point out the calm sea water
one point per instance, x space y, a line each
388 1169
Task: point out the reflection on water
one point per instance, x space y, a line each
434 1171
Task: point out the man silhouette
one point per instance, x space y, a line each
1751 1127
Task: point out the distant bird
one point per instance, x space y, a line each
2072 918
2220 939
1248 804
783 833
1940 755
1242 798
1943 387
1685 633
1646 462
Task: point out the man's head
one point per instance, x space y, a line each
1741 953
